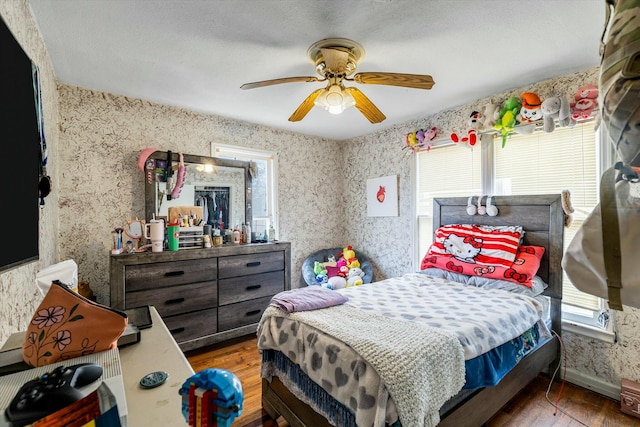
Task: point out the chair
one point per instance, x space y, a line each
323 255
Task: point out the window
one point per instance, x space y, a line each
537 163
263 185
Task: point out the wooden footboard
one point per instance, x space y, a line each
277 400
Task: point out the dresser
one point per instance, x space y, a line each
206 295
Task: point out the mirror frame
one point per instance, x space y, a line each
150 196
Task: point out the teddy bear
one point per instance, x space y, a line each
507 117
475 120
555 108
586 101
489 113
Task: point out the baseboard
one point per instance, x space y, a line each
592 383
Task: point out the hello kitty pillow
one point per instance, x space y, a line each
477 244
521 271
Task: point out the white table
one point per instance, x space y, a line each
156 351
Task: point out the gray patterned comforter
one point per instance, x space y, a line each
396 349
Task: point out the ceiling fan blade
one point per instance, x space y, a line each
365 106
335 59
417 81
279 81
306 106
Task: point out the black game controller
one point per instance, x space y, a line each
50 392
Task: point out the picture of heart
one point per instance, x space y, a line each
380 194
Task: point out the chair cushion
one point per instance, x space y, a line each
323 255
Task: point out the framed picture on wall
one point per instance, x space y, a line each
382 196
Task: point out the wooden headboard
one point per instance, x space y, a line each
542 218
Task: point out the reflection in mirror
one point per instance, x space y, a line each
134 230
220 186
218 190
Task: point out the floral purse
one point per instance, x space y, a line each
67 325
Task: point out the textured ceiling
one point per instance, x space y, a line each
196 54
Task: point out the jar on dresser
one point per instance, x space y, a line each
206 295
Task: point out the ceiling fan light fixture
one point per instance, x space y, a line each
335 99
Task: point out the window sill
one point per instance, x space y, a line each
589 331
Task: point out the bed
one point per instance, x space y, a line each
309 404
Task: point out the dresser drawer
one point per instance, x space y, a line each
176 299
185 327
242 265
242 313
158 275
245 288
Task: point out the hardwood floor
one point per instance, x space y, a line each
529 408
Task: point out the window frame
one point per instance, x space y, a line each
254 154
599 324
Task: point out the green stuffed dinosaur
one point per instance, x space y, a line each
507 119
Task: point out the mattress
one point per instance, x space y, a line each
415 296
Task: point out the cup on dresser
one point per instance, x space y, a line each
173 232
154 231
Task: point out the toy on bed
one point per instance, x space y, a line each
556 108
471 137
507 117
586 101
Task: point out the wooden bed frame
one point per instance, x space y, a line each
543 220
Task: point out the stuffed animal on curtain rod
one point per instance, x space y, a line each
475 120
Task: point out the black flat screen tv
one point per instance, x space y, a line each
19 154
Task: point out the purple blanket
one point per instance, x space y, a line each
308 298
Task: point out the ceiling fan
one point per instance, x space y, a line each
336 59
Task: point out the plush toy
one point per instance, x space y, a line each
355 277
530 111
349 256
586 101
337 282
420 139
507 117
425 137
489 113
475 120
319 268
555 108
322 279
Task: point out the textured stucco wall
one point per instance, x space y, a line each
19 296
98 187
101 187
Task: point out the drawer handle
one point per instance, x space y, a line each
176 330
174 273
253 287
252 312
174 301
253 264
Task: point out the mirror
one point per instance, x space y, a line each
134 230
221 187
